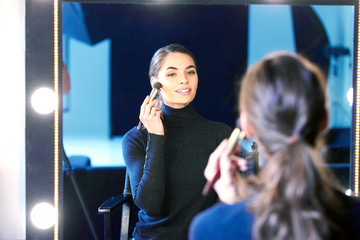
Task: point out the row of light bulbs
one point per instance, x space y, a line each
44 101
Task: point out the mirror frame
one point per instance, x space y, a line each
54 140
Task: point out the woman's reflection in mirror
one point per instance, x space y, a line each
166 157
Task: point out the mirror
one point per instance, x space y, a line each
107 49
111 42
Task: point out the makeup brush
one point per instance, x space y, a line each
236 137
156 86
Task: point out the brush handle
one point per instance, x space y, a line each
153 93
235 137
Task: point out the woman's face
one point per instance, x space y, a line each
179 80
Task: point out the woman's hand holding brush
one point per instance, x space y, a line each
222 170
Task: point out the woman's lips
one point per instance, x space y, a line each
184 91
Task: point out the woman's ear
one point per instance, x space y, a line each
245 126
152 80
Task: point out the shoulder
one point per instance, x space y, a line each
228 218
134 136
232 212
218 128
215 125
220 125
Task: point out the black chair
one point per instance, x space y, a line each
129 210
113 205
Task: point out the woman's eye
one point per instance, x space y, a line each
171 75
191 72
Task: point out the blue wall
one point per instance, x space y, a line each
339 24
270 29
86 118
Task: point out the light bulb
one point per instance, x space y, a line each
43 100
43 215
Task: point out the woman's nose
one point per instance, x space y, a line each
183 79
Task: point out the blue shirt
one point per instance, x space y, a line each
223 222
234 222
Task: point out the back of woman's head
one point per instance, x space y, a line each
284 96
284 99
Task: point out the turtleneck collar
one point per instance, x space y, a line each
178 117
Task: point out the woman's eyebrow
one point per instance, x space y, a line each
171 68
175 68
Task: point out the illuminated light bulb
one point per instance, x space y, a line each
43 215
43 100
349 96
348 192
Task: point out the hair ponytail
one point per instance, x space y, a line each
287 206
295 193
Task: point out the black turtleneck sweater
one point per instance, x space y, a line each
167 172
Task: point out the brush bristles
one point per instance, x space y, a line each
157 85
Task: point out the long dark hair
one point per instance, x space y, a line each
284 98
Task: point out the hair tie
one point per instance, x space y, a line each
293 139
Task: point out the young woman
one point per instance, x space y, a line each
283 108
166 158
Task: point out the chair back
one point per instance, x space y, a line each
127 187
130 211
